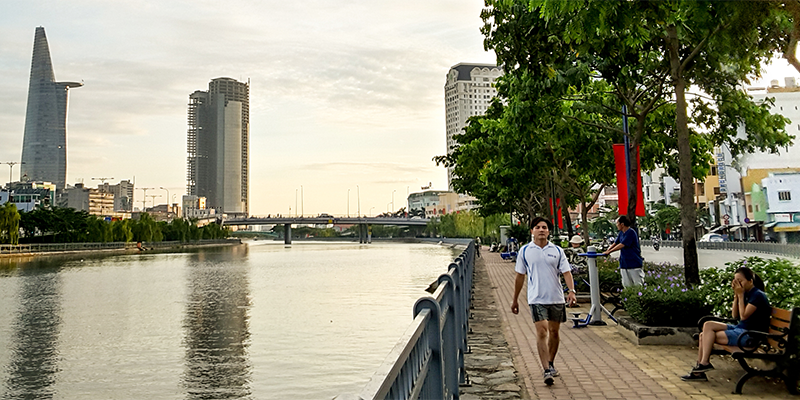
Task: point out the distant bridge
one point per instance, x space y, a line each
362 222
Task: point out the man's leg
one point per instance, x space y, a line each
542 342
626 280
637 276
552 340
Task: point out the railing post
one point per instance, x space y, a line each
434 387
451 333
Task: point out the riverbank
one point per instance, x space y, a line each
106 249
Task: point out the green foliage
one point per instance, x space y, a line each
9 223
521 232
468 224
781 278
657 305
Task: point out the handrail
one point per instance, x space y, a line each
82 246
785 249
428 360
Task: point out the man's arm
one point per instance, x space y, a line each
615 247
517 288
572 298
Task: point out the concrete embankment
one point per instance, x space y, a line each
86 249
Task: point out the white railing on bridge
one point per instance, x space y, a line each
784 249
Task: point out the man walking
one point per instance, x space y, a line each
630 254
542 262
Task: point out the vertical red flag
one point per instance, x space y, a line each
558 214
622 181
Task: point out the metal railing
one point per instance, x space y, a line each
428 360
66 247
791 250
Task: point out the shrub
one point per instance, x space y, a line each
781 279
664 300
658 305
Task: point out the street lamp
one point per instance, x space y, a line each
348 202
393 199
11 169
169 206
295 203
144 194
370 211
302 208
359 200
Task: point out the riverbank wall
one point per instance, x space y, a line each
103 249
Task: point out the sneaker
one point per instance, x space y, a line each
553 371
702 368
695 376
548 377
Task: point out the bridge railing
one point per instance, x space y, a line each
791 250
62 247
428 360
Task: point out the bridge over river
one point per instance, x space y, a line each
362 222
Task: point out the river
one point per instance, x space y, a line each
256 321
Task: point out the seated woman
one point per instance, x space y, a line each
750 307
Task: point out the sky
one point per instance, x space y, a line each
345 96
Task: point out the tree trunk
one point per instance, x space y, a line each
688 212
565 213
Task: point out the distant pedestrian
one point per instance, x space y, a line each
630 254
542 262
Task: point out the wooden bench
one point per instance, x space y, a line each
780 346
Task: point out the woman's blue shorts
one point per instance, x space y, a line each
733 334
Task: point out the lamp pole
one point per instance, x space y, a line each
144 195
11 169
358 189
169 206
393 199
348 202
295 203
302 208
370 211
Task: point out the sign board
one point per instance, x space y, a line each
783 217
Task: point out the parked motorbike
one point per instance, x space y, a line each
656 244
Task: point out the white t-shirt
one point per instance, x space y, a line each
543 267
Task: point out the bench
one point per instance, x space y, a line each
780 346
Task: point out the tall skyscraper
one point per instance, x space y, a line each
44 146
468 91
218 145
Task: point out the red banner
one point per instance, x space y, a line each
558 213
622 181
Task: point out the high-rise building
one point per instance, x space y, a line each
44 146
218 145
468 91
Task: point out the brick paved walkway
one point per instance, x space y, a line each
599 363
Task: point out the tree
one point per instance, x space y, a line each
651 52
9 223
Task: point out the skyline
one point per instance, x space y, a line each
343 96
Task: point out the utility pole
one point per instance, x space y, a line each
154 198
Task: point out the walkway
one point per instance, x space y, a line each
595 362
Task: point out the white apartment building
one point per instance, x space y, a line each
468 91
787 103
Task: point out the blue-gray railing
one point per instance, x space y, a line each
785 249
61 247
428 360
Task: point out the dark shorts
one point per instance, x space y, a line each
733 334
549 312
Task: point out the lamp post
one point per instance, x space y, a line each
11 169
358 189
393 199
169 206
295 203
370 211
144 195
348 202
302 208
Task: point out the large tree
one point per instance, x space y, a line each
653 52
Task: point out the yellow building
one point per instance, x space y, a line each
755 175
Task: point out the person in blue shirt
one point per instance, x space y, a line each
630 254
750 307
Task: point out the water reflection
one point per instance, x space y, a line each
34 354
216 326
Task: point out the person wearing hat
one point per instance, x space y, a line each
577 261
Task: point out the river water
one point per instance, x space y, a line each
257 321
